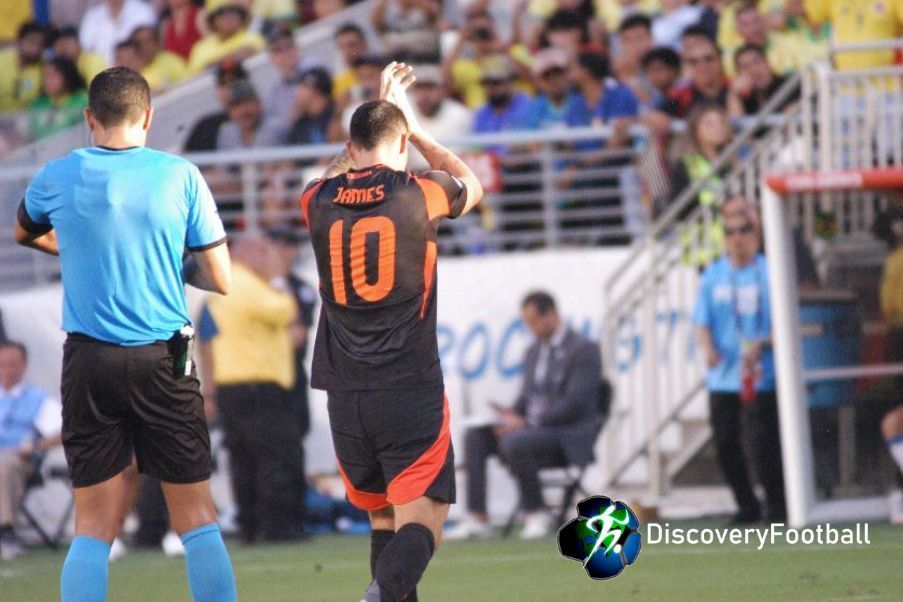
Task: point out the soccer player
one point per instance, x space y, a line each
373 229
120 216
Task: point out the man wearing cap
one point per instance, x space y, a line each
229 37
205 132
285 56
112 22
247 127
506 109
314 108
552 76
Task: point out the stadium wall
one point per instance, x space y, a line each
481 337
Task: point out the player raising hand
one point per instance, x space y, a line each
373 228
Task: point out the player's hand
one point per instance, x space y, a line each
394 82
509 422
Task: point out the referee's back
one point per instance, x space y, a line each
122 220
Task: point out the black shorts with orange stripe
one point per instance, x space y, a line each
393 446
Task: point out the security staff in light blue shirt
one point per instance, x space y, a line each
733 319
120 216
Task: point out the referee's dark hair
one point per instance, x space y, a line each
541 301
376 122
118 95
21 348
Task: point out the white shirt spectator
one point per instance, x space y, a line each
667 29
100 31
451 120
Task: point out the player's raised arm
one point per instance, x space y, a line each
395 80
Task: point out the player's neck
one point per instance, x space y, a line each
366 159
119 138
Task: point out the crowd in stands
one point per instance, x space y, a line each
484 66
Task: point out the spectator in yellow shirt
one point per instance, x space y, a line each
860 21
20 68
254 371
68 45
753 30
352 44
729 39
228 38
162 68
15 14
800 39
479 45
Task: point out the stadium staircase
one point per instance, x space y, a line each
658 432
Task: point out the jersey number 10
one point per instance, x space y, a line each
384 228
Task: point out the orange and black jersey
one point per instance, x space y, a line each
373 233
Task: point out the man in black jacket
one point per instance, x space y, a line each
554 421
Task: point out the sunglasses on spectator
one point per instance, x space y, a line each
744 229
708 58
275 48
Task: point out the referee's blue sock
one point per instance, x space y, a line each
84 577
207 562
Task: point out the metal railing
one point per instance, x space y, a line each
844 120
544 189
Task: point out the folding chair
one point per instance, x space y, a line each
566 478
36 480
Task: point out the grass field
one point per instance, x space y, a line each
336 568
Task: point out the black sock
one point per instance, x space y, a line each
379 539
403 561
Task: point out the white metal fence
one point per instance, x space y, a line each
544 189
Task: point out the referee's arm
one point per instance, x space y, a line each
210 269
36 236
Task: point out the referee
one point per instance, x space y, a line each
120 216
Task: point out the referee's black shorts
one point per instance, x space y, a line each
393 446
123 400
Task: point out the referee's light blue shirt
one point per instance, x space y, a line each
123 218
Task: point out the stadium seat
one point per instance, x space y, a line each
37 480
566 479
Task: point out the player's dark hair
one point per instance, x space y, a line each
67 31
20 347
748 48
634 21
29 28
72 79
595 63
702 33
746 6
564 20
662 54
154 32
350 28
118 95
541 301
376 122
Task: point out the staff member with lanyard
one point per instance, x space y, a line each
733 320
120 217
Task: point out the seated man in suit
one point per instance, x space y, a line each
554 421
30 424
